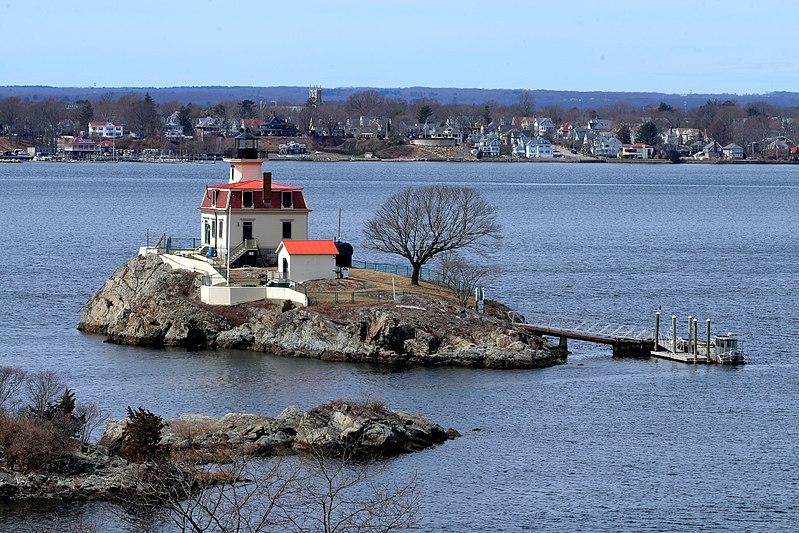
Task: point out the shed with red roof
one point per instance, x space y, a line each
303 260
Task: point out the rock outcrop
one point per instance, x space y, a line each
358 429
90 473
145 302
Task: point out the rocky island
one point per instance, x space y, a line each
145 302
104 471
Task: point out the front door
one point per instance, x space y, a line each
207 233
247 230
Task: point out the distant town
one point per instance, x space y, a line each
371 125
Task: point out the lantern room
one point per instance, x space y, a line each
245 165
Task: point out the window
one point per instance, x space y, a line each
214 197
221 231
286 199
287 229
213 228
246 199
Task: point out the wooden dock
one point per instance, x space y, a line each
682 357
638 342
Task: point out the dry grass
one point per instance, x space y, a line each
363 282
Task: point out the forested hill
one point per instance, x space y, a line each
298 95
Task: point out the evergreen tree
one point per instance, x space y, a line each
624 134
85 114
647 133
246 109
184 119
424 114
142 436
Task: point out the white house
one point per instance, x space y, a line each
249 216
637 151
303 260
606 146
538 148
490 146
732 151
543 125
108 130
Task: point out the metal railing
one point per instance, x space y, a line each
590 327
241 249
426 274
351 297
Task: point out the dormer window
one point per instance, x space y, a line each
286 199
246 199
214 198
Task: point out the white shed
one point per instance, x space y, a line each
303 260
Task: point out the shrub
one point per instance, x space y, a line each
32 444
142 436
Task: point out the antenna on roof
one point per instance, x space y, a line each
338 235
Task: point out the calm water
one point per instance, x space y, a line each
595 445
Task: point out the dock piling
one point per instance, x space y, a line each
673 333
657 329
707 346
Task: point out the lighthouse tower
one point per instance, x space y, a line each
245 164
245 219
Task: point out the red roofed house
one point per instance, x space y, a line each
301 260
250 215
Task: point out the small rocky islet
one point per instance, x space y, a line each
145 302
100 472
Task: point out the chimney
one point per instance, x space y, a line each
267 188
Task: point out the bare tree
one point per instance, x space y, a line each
462 276
244 494
341 494
91 417
526 103
253 494
11 379
44 388
365 102
328 116
10 112
419 224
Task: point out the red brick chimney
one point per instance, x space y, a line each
267 188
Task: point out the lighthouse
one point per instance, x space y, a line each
244 220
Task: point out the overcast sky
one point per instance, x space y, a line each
712 46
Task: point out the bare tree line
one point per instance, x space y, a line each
42 121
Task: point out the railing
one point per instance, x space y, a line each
589 327
247 244
175 243
425 273
351 297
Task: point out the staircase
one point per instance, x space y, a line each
246 246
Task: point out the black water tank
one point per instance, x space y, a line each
344 257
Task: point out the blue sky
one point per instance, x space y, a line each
674 47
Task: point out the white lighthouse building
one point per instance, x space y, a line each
250 215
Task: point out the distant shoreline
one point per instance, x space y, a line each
461 160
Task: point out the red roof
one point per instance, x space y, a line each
254 185
105 123
306 247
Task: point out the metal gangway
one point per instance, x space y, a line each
626 339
